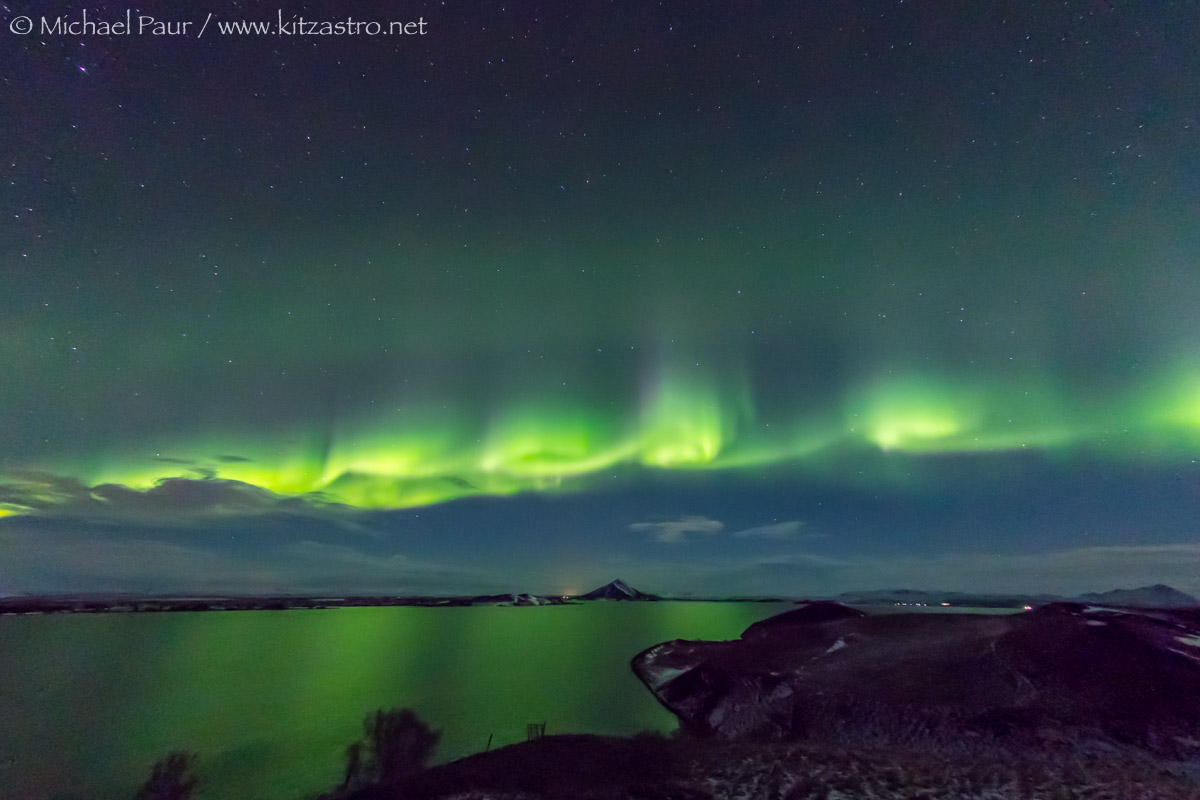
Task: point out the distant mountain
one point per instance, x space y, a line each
1156 596
913 597
893 596
617 590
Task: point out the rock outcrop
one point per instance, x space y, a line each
1060 672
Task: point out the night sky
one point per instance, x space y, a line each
737 297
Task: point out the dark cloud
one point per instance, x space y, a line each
181 501
36 490
1069 571
39 561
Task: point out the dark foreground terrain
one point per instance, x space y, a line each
654 768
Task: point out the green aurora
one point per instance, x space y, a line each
509 295
416 458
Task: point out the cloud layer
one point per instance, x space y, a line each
677 531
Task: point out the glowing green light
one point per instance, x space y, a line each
683 424
913 415
552 443
687 420
1185 410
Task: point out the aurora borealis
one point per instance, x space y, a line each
914 288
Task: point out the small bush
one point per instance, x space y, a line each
171 778
396 746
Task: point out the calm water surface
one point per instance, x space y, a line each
270 699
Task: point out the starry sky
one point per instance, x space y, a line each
753 298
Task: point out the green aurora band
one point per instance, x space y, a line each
683 421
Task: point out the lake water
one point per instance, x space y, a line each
270 699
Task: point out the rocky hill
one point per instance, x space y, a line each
1062 672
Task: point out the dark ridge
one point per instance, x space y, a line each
811 613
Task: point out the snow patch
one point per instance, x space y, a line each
1191 641
1191 656
838 645
780 692
654 651
1097 623
664 675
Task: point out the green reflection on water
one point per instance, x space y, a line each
270 699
